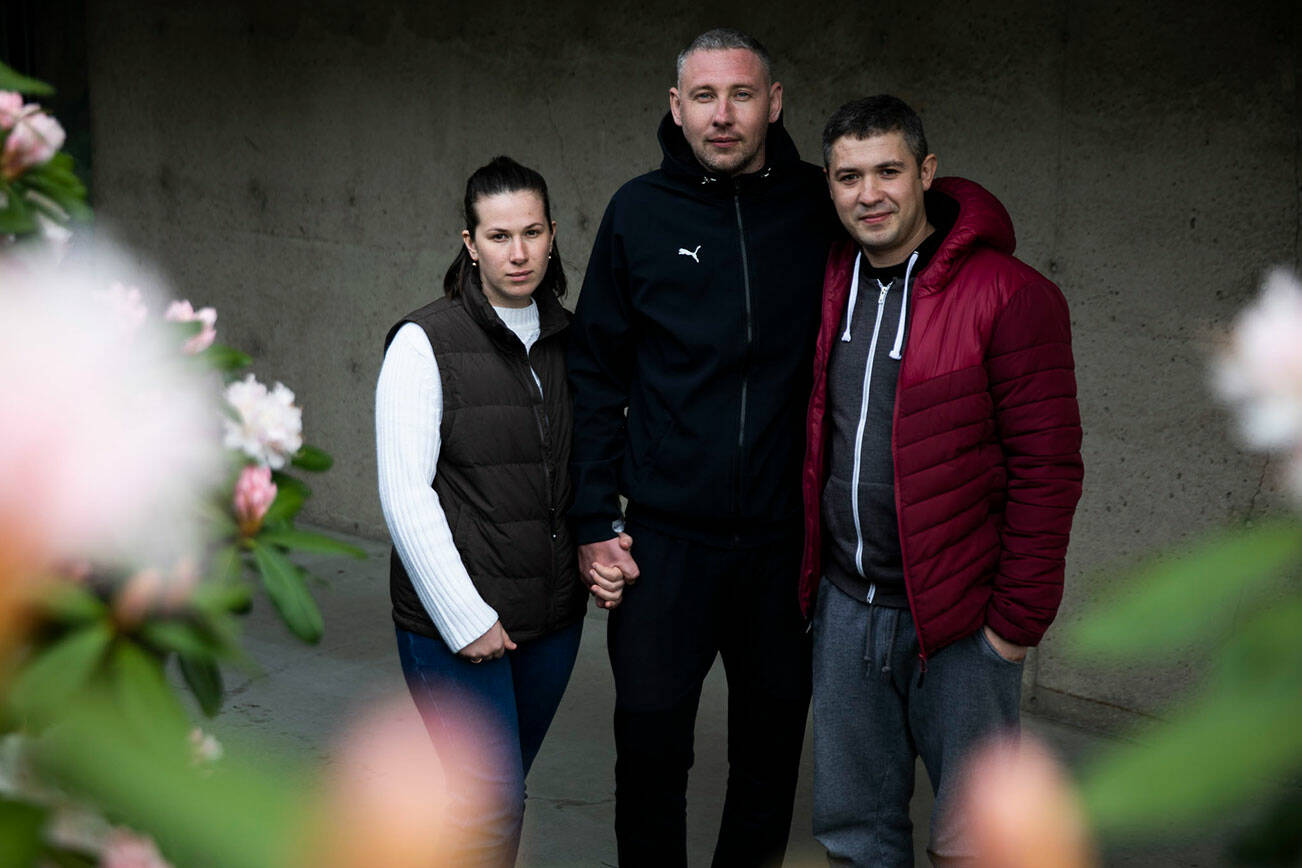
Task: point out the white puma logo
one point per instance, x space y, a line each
683 251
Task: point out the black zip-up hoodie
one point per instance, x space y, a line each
698 316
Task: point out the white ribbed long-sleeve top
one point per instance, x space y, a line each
408 414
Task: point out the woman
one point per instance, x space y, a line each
473 443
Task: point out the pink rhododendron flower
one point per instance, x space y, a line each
182 311
270 429
11 106
109 440
386 801
33 139
254 494
126 305
126 849
1021 810
1260 372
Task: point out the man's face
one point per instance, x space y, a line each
724 102
877 187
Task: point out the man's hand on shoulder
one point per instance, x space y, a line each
606 567
1007 650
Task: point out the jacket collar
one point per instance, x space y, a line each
980 220
679 162
552 316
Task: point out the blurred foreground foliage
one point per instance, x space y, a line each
1236 741
93 735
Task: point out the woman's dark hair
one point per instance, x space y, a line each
501 175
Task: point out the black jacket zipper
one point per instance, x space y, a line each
745 365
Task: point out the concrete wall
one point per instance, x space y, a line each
299 165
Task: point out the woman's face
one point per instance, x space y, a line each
511 244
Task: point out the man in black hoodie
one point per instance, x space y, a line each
690 368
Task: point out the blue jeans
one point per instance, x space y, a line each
487 721
875 713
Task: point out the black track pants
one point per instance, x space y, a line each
694 601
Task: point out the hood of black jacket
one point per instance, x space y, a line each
679 161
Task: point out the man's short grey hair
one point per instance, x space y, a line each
721 39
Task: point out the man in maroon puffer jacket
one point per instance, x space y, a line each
942 471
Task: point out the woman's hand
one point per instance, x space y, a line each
606 584
493 644
606 581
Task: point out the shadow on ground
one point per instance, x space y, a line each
304 697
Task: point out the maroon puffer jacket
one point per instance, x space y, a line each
986 436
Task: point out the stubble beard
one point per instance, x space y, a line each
731 165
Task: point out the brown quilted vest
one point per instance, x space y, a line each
503 470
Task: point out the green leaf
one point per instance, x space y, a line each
15 217
58 672
1268 647
289 500
142 694
68 858
217 516
225 571
72 603
249 812
312 459
1222 749
65 188
12 80
288 591
179 636
65 202
222 598
204 677
21 841
224 358
78 211
62 164
65 857
1212 758
284 480
307 541
1190 596
62 171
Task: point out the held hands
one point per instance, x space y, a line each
1007 650
606 567
493 644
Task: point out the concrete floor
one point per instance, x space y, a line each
304 698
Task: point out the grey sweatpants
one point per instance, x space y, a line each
874 715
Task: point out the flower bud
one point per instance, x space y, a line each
254 494
33 139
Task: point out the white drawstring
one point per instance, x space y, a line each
897 351
854 294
